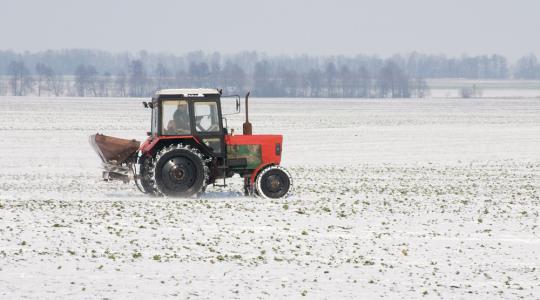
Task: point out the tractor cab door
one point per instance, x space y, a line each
207 125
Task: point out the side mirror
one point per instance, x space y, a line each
148 133
228 107
145 104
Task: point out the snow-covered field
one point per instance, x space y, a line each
393 198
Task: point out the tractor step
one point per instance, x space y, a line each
221 185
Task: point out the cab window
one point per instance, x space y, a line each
206 117
175 117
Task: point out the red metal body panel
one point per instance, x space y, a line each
268 147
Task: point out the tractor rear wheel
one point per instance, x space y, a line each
147 182
180 171
273 182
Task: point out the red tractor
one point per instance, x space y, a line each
188 147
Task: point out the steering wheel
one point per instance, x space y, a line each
198 120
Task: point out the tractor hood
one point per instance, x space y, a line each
113 150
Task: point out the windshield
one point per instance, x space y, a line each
175 117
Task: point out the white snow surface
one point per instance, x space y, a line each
393 198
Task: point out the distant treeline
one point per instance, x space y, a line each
83 72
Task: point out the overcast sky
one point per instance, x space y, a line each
382 27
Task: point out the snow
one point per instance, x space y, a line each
394 198
188 92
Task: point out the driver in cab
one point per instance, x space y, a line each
180 121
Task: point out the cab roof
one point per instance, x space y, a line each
188 92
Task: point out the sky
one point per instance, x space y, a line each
348 27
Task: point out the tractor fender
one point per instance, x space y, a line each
153 144
257 171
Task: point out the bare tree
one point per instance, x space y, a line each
527 67
364 83
302 75
137 79
181 78
262 79
214 79
314 81
92 79
162 74
85 80
330 75
234 78
103 84
81 79
20 80
41 71
293 76
289 82
46 79
54 83
2 88
346 82
393 82
419 88
199 74
120 82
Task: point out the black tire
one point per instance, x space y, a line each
273 182
180 171
146 172
248 190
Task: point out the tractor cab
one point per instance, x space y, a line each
189 113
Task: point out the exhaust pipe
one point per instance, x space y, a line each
246 128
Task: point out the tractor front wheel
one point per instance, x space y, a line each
273 182
180 171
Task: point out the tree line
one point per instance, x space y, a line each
81 72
